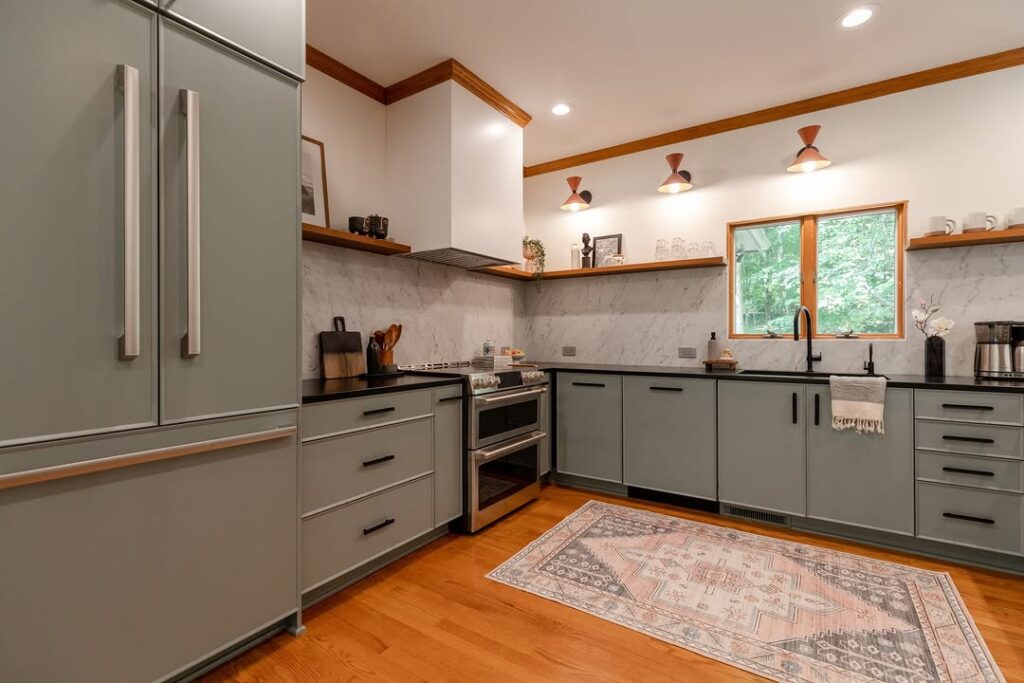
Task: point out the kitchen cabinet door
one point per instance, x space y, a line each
544 447
590 426
861 479
229 265
668 435
448 454
66 225
761 443
271 29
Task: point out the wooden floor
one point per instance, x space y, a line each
434 617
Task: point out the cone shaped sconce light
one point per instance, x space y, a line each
808 158
677 181
577 201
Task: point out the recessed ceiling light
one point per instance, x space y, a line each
561 109
857 16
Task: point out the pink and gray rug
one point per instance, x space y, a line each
786 611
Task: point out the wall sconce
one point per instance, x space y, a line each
577 201
808 158
677 181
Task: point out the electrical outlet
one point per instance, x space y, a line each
687 351
568 350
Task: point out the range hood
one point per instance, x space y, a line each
455 178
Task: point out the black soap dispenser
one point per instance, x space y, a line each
373 357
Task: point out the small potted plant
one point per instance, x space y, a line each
533 256
934 329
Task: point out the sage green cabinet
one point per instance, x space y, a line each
761 445
448 454
544 447
864 479
589 419
668 435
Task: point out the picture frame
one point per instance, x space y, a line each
313 199
605 247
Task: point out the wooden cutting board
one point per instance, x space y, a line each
341 352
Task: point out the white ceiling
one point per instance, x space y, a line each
642 67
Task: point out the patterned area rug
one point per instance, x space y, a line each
787 611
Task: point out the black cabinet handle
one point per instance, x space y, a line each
817 409
378 411
968 439
960 470
794 408
966 406
377 461
378 527
587 384
968 518
679 389
450 398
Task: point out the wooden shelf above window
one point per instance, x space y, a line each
514 273
970 239
348 240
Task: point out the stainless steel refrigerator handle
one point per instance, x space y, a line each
190 343
128 83
506 398
114 462
488 454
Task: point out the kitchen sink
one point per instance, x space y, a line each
804 373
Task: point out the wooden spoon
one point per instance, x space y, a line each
398 335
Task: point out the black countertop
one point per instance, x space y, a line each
897 381
315 390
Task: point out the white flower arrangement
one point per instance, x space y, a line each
925 320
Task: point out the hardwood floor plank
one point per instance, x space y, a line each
433 616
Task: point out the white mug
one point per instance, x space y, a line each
1015 217
979 220
940 225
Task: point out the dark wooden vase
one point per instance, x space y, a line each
934 357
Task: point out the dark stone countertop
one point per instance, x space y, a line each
896 381
315 390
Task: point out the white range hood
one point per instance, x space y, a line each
455 178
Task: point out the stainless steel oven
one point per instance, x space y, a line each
503 478
499 416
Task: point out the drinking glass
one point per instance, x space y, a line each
693 250
707 249
678 249
661 250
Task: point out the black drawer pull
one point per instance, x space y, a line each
794 408
587 384
968 518
817 409
965 406
446 399
377 461
378 411
960 470
666 388
968 439
378 527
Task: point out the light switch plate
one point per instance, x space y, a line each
568 350
687 352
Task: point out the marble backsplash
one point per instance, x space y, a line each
644 318
446 313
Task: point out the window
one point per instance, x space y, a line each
846 266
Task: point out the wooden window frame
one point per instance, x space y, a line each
809 265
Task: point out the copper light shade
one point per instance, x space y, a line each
575 202
808 158
677 181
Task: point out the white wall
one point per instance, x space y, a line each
948 149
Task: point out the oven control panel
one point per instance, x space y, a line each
486 382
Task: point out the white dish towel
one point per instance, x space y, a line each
858 403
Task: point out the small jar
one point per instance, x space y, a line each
661 250
678 249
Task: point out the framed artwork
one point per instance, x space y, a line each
315 210
605 247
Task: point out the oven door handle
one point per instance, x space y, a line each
486 455
507 398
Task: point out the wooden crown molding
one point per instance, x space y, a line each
918 79
448 70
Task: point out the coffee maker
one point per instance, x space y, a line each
999 352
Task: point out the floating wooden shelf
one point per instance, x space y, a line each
348 240
514 273
971 239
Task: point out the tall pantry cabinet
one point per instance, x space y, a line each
149 247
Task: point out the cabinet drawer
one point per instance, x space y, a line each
343 467
971 470
981 519
335 417
957 437
340 540
970 406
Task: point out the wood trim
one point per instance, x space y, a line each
513 273
337 238
332 67
428 78
970 239
809 265
889 86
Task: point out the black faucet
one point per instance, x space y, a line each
812 357
869 364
